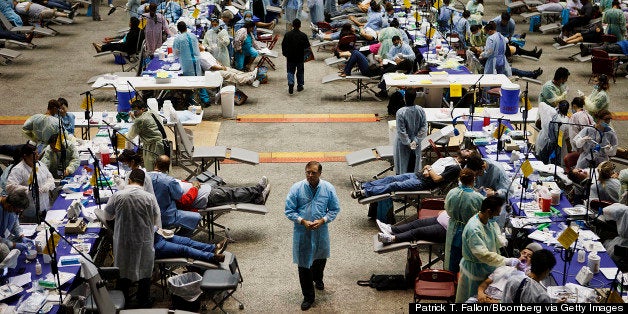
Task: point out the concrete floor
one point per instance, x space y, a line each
61 65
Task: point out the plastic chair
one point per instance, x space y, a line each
216 281
602 63
435 284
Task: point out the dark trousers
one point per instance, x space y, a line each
229 195
298 68
143 290
575 22
307 276
4 34
421 229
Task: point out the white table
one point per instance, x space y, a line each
434 88
444 115
212 80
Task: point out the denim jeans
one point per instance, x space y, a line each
361 60
298 68
401 182
183 247
522 73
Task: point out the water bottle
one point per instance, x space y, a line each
594 262
37 268
581 256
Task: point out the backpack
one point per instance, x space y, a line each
384 282
395 102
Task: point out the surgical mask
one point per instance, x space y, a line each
604 124
216 29
125 167
396 45
248 19
596 87
493 219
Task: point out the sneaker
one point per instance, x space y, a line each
537 72
321 36
255 83
385 228
263 181
299 88
385 238
290 89
266 192
354 183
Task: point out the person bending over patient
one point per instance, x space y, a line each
444 170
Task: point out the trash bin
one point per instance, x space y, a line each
186 286
227 95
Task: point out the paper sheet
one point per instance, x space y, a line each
21 280
28 229
74 196
609 272
55 215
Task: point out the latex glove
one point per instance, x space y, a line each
21 246
413 145
511 261
502 239
118 181
582 140
580 93
606 148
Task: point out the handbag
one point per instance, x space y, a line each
239 98
308 55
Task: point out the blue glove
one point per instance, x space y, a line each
21 246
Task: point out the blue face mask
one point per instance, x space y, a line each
216 29
493 219
125 167
605 125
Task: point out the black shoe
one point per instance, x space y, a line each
357 194
561 41
538 72
523 36
299 88
584 50
535 49
320 285
71 14
336 54
306 305
290 89
382 94
539 53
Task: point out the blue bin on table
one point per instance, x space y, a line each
124 95
509 101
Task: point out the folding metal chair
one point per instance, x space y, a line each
266 59
216 281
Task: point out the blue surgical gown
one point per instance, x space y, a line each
411 126
168 191
311 204
495 54
185 46
494 177
461 203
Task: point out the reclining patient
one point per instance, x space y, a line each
169 245
441 172
209 63
201 196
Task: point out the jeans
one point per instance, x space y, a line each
308 275
522 73
183 247
360 59
421 229
298 68
400 182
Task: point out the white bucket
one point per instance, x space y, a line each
227 95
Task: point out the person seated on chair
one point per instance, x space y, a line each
585 14
368 63
620 47
619 213
130 44
607 187
598 143
61 155
401 53
529 289
130 160
201 196
386 35
374 22
245 46
491 178
248 16
548 6
441 172
209 63
11 206
491 290
168 191
169 245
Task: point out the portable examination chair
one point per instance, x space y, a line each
431 247
210 214
8 55
362 84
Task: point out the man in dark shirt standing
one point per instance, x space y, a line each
293 48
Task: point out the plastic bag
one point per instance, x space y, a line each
187 286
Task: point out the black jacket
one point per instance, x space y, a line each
293 46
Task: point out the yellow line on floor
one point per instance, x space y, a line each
299 157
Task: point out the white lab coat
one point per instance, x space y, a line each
136 212
21 176
619 213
